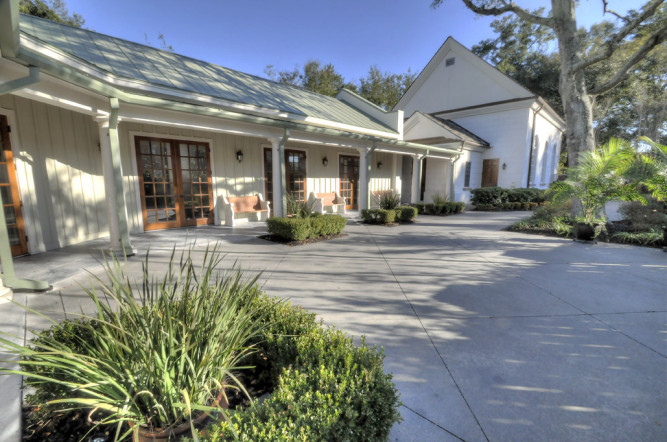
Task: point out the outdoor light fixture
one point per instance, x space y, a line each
239 155
504 166
325 161
379 164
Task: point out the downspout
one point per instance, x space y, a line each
283 176
114 144
20 83
532 140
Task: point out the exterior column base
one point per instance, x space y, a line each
6 294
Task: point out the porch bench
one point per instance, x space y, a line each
330 201
253 206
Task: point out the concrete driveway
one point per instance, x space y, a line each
490 335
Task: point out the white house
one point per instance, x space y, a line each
509 137
102 136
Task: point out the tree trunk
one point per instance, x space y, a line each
577 104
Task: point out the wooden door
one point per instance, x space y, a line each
348 180
295 174
11 200
490 172
268 175
175 182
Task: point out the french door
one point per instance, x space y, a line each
348 176
11 201
295 173
175 182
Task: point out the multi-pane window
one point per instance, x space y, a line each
295 171
268 174
466 181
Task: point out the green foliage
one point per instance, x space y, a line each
652 239
385 89
488 195
645 218
331 390
299 229
54 10
299 208
387 199
655 162
406 213
439 199
167 343
447 208
378 216
598 179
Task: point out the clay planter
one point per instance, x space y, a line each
143 434
584 232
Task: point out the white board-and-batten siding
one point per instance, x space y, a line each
59 173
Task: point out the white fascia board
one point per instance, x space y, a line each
163 117
490 109
545 111
144 88
53 91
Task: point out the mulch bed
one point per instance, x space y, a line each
281 240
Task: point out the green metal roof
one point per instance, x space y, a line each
133 61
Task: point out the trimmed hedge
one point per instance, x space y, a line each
406 213
378 216
299 229
447 208
497 198
326 388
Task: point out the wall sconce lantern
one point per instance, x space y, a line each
239 155
325 161
504 166
379 164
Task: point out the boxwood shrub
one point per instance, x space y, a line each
326 387
497 198
378 216
447 208
299 229
406 213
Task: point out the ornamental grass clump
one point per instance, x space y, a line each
154 352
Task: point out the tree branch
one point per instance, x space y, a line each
606 9
651 42
610 46
507 6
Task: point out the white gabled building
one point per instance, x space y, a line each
509 136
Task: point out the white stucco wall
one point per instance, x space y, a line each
548 152
437 178
461 192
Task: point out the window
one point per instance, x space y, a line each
268 174
532 167
545 160
466 181
450 61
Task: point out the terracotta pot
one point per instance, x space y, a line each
143 434
584 232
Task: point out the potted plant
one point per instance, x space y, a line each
156 354
599 177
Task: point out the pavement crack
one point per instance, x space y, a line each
433 423
435 347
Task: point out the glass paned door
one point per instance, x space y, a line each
175 182
196 192
10 193
348 175
295 171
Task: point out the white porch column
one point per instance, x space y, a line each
452 181
395 180
115 199
365 178
278 176
416 178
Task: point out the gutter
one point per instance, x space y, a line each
20 83
532 140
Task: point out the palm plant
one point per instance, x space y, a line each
656 163
156 350
599 177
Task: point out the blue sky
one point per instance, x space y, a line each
247 35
